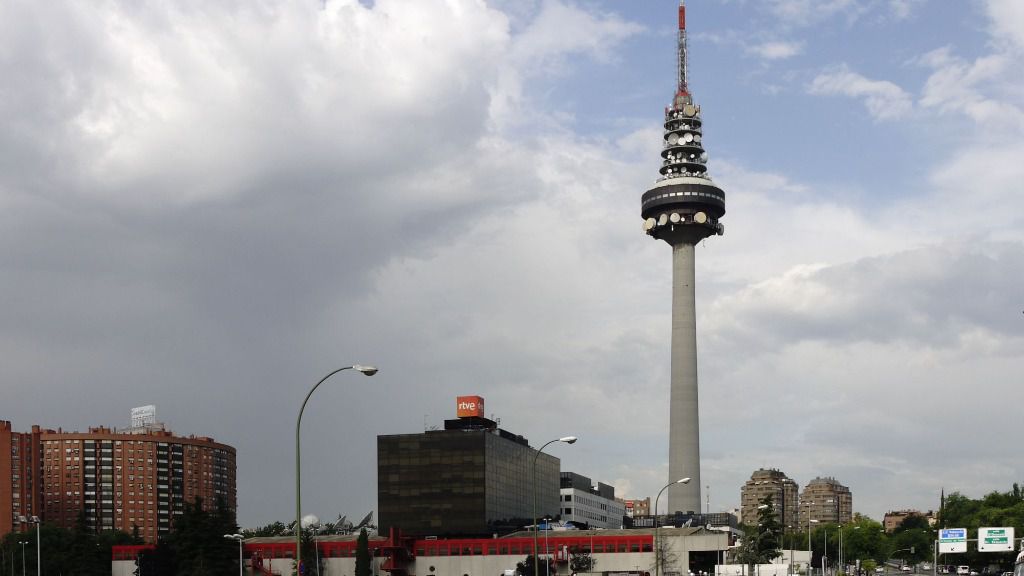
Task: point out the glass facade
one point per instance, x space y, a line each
461 482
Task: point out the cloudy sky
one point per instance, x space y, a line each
208 205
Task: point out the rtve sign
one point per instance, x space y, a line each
469 406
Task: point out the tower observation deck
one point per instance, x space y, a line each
682 208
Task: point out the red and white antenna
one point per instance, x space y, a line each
681 88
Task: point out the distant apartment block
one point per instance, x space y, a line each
636 507
775 485
593 504
893 519
134 479
827 501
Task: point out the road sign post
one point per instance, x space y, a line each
952 540
995 539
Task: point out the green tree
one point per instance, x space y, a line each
272 529
76 551
581 561
864 540
769 532
363 567
196 545
994 509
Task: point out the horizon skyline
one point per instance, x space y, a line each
207 206
113 429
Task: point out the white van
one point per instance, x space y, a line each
963 570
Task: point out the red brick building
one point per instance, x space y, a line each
118 480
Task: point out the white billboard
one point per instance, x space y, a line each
143 416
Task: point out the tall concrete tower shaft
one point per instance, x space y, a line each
682 208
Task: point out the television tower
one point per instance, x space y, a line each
683 208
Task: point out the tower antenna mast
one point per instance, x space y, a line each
682 208
681 88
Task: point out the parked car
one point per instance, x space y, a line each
905 568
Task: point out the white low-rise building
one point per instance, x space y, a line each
583 502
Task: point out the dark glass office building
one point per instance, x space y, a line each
470 479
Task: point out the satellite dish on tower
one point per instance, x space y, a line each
649 223
700 217
673 138
687 137
689 110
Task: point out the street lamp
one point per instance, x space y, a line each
22 542
367 370
39 556
547 559
240 538
567 440
657 544
809 555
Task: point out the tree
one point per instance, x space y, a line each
668 555
581 561
76 551
864 540
525 568
196 545
994 509
768 532
272 529
761 544
363 567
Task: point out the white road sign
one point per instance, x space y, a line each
995 539
952 540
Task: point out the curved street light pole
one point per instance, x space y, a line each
367 370
39 556
240 538
657 544
809 555
567 440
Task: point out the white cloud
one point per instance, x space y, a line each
1007 18
978 89
778 50
558 32
904 8
230 95
883 99
806 12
